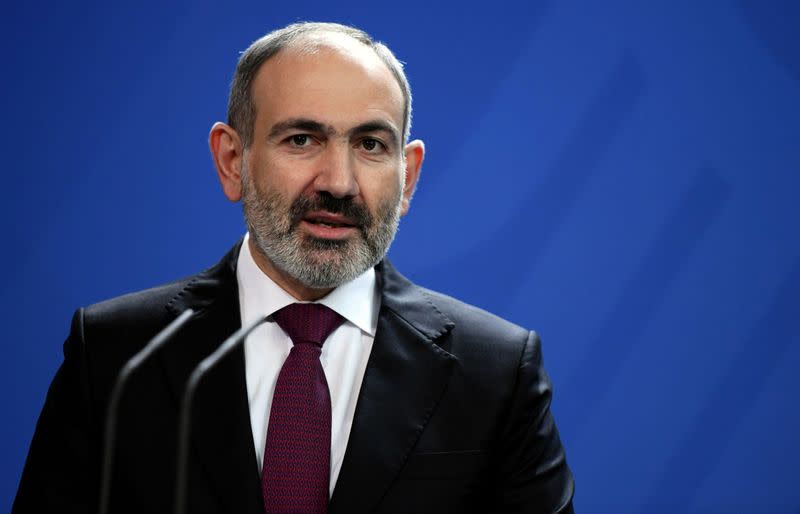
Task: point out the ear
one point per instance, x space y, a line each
415 154
227 152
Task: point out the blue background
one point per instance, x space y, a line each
620 176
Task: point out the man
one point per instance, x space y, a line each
414 402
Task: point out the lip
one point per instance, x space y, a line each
329 218
344 228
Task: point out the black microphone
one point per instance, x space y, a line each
119 386
186 405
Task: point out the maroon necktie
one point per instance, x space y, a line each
296 472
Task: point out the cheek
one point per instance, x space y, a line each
379 188
289 178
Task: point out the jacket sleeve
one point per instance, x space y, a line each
61 471
533 473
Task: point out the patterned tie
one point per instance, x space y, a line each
296 472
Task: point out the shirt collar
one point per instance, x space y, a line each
356 301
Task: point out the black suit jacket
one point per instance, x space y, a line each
453 413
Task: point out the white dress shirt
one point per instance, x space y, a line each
344 354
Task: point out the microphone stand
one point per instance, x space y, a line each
186 405
119 386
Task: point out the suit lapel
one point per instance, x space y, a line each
406 375
221 434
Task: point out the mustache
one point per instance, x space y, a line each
357 213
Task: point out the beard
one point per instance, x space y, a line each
273 220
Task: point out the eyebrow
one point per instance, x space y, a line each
315 127
304 124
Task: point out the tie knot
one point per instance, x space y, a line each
308 322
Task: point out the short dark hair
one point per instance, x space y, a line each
241 108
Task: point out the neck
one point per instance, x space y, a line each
287 283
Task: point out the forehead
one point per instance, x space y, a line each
328 77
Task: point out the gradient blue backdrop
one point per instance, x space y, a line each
620 176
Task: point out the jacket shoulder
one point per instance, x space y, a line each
474 320
481 339
458 327
111 331
136 308
168 300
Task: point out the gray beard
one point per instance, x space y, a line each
317 263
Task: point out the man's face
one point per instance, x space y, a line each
322 183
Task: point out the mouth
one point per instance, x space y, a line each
325 225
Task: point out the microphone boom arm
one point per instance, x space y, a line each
116 393
186 405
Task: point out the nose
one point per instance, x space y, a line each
336 174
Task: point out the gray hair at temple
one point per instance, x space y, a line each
242 110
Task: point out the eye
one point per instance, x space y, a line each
372 145
299 140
